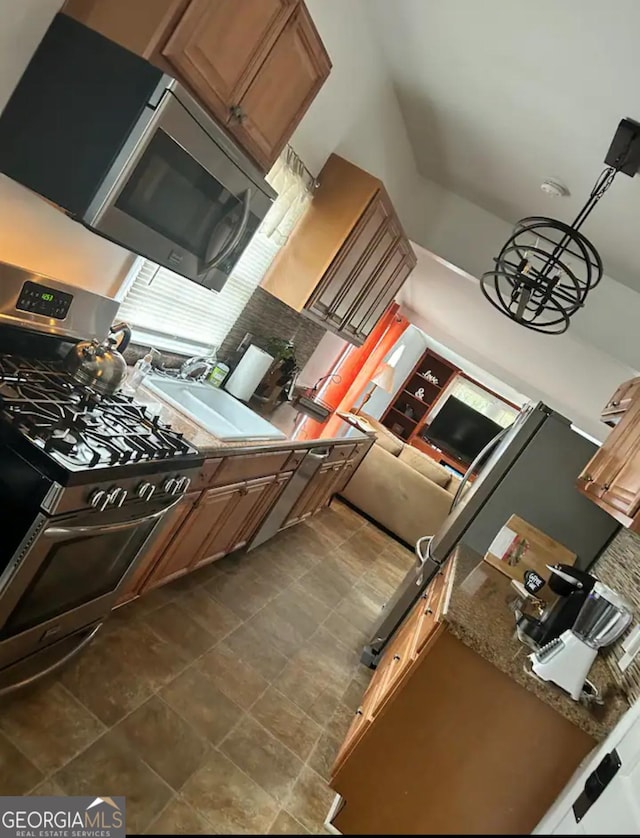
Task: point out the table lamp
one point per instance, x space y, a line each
383 376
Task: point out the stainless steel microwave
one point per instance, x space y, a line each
125 150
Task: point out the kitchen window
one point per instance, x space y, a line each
170 312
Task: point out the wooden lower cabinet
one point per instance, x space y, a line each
161 562
233 514
440 744
318 492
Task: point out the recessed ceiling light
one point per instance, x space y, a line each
554 187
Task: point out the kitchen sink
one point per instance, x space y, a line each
215 410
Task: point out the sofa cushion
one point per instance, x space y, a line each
425 466
384 437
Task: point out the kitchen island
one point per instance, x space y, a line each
453 735
246 491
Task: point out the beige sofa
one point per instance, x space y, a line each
399 487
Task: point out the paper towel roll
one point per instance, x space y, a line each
249 373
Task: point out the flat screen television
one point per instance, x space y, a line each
460 430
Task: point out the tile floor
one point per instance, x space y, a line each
216 704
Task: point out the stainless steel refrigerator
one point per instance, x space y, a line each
530 470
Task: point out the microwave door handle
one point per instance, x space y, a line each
103 529
242 226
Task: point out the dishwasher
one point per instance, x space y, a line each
303 475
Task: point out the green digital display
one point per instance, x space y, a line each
47 297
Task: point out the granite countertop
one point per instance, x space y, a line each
299 430
477 613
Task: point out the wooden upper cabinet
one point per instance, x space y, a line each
620 402
348 256
255 65
281 91
219 45
140 26
357 263
612 477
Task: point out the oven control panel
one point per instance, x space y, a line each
48 302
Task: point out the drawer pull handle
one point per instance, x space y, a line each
429 611
396 657
359 711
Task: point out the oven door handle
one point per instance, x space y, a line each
101 529
242 226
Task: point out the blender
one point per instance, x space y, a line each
567 659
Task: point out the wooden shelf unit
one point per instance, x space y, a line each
407 413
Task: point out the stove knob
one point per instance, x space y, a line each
114 495
170 486
142 490
123 497
184 483
96 497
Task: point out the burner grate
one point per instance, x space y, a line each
75 425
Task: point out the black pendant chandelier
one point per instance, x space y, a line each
546 268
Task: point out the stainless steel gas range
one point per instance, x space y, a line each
84 480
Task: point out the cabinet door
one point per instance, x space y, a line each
621 401
153 557
234 510
390 280
613 473
355 264
207 516
219 45
282 90
261 495
307 502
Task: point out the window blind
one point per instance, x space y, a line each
171 312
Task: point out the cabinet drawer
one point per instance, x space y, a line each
248 466
340 453
205 477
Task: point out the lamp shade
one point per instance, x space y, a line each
383 377
395 356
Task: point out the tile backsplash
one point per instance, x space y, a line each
619 568
266 317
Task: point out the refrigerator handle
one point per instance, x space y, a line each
485 451
422 557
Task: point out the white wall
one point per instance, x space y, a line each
415 343
32 233
356 114
568 374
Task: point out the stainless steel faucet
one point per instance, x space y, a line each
198 367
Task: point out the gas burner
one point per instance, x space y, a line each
77 427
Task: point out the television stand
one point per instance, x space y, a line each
441 457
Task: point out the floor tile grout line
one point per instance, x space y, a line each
177 597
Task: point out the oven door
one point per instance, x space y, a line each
65 575
179 198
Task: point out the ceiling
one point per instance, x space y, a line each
498 95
